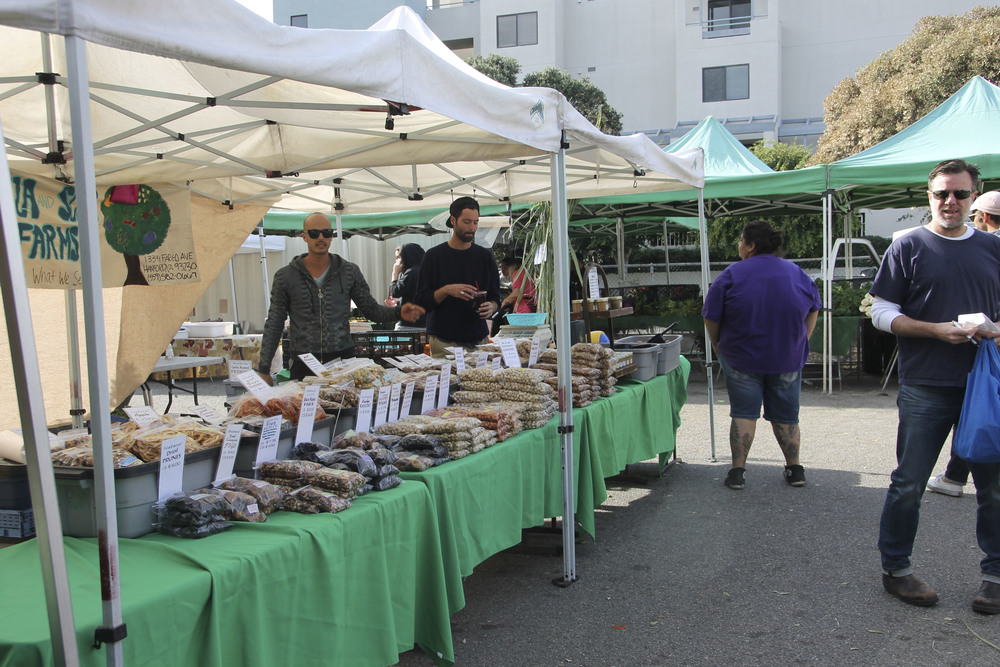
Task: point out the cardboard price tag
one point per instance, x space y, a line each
267 446
481 359
595 290
541 253
312 363
366 400
444 384
459 359
404 409
536 345
496 363
430 391
171 467
209 414
307 415
382 411
255 385
508 348
227 457
142 415
394 393
239 366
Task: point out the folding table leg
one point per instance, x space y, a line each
170 391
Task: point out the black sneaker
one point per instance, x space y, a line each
734 480
795 475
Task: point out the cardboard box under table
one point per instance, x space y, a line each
354 589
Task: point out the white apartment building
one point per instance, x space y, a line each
762 67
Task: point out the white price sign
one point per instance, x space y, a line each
307 415
407 399
227 458
238 367
267 446
171 467
536 345
459 359
595 290
142 415
312 363
209 414
444 383
481 359
430 391
394 402
508 348
366 399
382 411
496 363
255 385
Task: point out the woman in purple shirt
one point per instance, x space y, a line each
759 314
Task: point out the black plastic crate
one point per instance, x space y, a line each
378 344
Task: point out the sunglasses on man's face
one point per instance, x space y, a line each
941 195
315 233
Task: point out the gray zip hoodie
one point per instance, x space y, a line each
318 314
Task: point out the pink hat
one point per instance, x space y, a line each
988 202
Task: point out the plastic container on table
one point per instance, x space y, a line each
323 432
209 329
136 489
644 355
670 350
14 491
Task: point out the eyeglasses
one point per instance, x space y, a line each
941 195
328 233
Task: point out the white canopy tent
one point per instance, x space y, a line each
242 111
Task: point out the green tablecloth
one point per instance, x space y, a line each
356 588
485 500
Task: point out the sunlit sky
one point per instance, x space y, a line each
263 7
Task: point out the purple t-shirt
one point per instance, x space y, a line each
761 304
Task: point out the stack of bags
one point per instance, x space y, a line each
310 487
461 436
497 417
523 389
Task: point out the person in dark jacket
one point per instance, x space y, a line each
315 292
405 272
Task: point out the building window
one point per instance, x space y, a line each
719 84
727 17
517 29
299 21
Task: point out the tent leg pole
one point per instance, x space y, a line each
31 408
560 243
97 370
706 269
76 410
232 295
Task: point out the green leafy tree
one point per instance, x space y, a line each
904 84
499 68
586 97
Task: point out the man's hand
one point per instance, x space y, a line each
266 377
949 333
487 309
460 291
411 312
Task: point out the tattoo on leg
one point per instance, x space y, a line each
739 442
788 438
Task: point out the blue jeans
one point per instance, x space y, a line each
926 416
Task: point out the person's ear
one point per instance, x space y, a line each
450 223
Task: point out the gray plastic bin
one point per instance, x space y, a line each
136 489
669 352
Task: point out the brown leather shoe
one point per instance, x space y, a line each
987 600
911 590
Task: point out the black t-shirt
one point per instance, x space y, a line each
456 319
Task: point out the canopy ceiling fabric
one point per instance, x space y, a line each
257 110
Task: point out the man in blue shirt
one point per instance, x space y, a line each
927 279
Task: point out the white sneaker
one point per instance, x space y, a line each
943 485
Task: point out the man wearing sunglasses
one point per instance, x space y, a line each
927 279
459 284
315 292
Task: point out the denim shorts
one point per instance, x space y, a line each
778 392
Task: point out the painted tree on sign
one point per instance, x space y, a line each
136 220
905 84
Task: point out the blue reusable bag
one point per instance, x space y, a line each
977 436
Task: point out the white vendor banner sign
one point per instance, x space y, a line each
147 237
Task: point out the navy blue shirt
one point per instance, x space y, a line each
936 279
455 319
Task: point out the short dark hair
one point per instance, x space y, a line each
955 167
766 239
460 205
511 261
